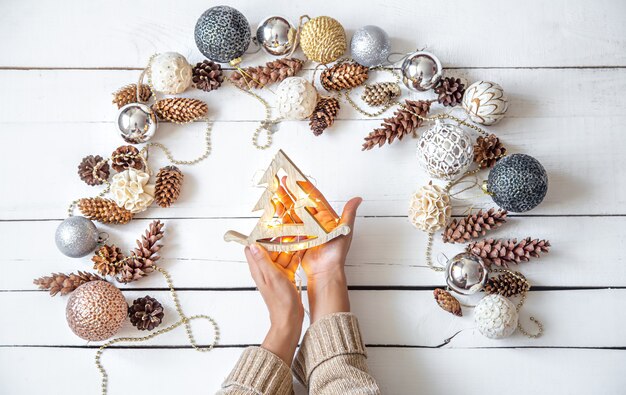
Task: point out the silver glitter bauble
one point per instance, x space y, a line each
421 71
296 98
76 237
222 34
496 317
137 123
276 35
485 102
445 150
170 73
370 46
466 273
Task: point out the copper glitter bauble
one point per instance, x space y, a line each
96 310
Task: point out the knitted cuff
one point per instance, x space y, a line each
333 335
261 372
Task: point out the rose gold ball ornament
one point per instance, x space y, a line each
96 310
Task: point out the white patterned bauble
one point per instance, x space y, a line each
429 208
485 102
496 316
170 73
445 150
296 98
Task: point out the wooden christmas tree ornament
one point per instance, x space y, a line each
269 231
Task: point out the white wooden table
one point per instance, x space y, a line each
562 64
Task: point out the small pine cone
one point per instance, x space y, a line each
180 109
505 252
125 157
346 75
473 226
487 151
507 284
65 283
146 254
103 210
450 91
168 182
108 260
323 115
207 75
446 301
260 76
128 94
381 93
86 167
403 122
145 313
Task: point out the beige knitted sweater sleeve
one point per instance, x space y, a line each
331 360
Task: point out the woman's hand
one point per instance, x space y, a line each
275 281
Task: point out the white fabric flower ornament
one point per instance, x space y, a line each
132 191
429 208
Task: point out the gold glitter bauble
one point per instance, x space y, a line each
96 310
323 39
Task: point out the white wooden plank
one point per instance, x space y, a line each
398 371
386 318
484 33
385 251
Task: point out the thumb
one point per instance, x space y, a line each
349 211
261 258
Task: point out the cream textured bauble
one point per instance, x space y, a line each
485 102
131 190
445 150
429 208
170 73
296 98
496 316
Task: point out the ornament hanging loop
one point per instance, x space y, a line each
296 39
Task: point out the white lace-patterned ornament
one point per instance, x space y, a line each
296 98
429 208
445 150
170 73
485 102
496 316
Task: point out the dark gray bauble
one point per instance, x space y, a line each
517 183
222 33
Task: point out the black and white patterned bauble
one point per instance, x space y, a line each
222 34
517 183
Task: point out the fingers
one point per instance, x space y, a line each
349 211
316 196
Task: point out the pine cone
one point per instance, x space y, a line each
86 166
323 115
125 157
505 252
108 260
145 313
65 283
488 150
180 109
473 226
147 249
104 211
261 76
381 93
128 94
507 284
446 301
345 75
450 91
402 123
207 75
168 182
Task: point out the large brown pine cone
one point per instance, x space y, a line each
108 260
403 122
507 284
450 91
488 150
128 94
168 183
207 75
145 313
323 115
261 76
146 254
446 301
180 109
505 252
86 167
104 210
65 283
345 75
125 157
473 226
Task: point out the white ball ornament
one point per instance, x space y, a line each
170 73
485 102
445 150
296 98
496 316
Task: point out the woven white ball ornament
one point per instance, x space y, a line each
445 150
496 316
485 102
170 73
296 98
429 208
